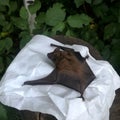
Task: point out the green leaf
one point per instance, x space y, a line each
119 16
13 6
115 60
59 27
40 18
100 10
78 20
2 45
89 1
109 30
78 3
4 2
70 33
23 13
3 8
7 27
55 14
2 19
20 23
5 44
96 2
4 34
1 70
115 44
25 38
106 52
8 43
3 113
33 8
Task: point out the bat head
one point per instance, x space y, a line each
55 56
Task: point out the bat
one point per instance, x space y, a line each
71 70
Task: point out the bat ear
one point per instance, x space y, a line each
57 49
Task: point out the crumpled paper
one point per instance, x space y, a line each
62 102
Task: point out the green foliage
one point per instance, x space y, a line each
3 113
35 7
55 14
23 13
78 20
78 3
95 21
5 2
110 30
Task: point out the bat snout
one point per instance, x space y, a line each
50 56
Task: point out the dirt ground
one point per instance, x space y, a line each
115 109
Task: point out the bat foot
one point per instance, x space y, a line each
81 97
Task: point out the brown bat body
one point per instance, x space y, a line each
71 70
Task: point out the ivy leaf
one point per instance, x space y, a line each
96 2
4 2
8 43
2 19
115 54
7 27
2 45
78 3
119 16
25 38
5 44
2 8
20 23
109 30
70 33
106 52
115 45
4 34
33 8
1 70
23 13
100 10
40 18
59 27
89 1
115 60
55 15
78 20
3 112
13 6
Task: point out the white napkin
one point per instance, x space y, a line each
62 102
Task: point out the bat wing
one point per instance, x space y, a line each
69 79
50 79
74 80
65 78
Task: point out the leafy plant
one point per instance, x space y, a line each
3 113
95 21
